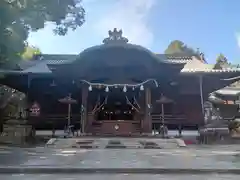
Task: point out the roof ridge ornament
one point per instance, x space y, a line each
115 37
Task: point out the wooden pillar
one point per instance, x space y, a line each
29 103
84 111
201 93
147 125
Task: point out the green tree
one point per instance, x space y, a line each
19 17
178 47
29 52
221 62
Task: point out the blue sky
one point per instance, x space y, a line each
213 26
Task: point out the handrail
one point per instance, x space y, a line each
50 118
173 119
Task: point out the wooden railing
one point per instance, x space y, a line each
172 119
55 118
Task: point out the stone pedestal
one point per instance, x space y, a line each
235 133
15 132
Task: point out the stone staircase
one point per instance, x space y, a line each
116 143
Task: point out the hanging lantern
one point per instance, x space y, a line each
133 88
107 89
141 88
124 89
68 100
164 100
90 88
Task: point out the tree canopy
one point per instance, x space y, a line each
221 58
178 47
20 17
221 62
29 52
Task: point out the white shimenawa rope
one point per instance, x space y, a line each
122 85
128 102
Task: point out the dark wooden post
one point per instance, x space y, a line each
84 113
27 111
147 125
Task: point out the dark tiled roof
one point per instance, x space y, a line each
58 58
47 59
62 58
27 64
40 64
177 57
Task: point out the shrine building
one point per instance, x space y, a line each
117 88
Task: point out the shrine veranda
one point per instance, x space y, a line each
117 88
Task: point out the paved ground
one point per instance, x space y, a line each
119 177
192 157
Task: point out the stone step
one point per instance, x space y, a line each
130 143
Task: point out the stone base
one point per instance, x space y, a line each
15 132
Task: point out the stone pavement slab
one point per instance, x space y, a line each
208 157
117 177
132 158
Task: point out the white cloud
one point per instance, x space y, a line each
238 39
131 16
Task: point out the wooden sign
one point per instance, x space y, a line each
35 109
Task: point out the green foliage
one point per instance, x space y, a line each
19 17
9 96
29 52
178 47
221 62
233 125
221 58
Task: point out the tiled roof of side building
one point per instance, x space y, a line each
200 70
176 58
48 59
196 66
